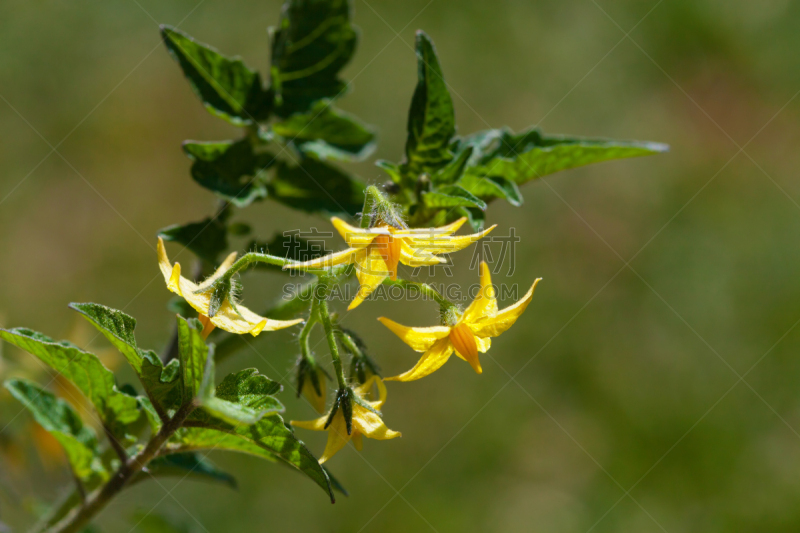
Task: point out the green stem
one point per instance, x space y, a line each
350 344
77 519
425 289
303 338
325 318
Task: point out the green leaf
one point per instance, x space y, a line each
85 371
313 42
431 119
452 196
316 187
451 172
163 384
153 523
327 133
243 397
183 465
227 87
269 438
392 169
115 326
59 419
193 353
231 169
207 238
522 157
492 187
476 217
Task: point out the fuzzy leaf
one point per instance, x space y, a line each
452 196
316 187
269 438
115 326
243 397
207 239
231 169
431 119
226 86
523 157
492 187
313 42
193 353
116 409
327 133
183 465
59 419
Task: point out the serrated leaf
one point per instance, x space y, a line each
231 169
116 409
269 438
431 119
115 326
243 397
226 86
316 187
327 133
183 465
193 353
452 196
207 239
59 419
313 42
523 157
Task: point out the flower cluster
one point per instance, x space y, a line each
374 252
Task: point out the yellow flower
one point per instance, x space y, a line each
470 334
366 422
235 320
377 251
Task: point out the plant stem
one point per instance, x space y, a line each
77 519
325 318
425 289
303 338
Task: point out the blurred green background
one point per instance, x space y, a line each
627 412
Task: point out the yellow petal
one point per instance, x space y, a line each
337 437
485 303
431 361
370 425
441 230
465 345
494 326
416 258
326 261
357 237
484 343
371 270
358 442
446 244
318 424
364 390
245 321
420 339
317 401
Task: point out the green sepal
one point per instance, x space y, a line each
233 170
59 419
183 465
337 486
309 370
316 187
313 42
116 409
344 401
226 86
327 133
431 119
452 196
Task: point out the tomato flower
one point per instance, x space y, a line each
469 334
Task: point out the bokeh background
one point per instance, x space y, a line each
655 375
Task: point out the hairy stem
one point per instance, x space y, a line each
77 519
325 318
